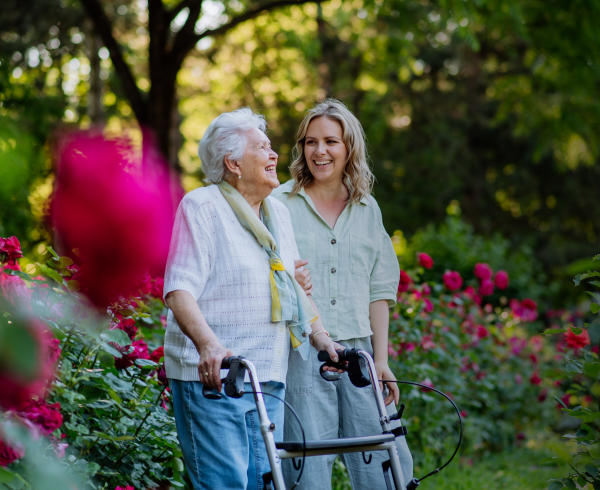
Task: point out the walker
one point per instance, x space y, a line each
362 373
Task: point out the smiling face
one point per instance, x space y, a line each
325 151
259 164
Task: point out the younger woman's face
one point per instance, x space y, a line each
325 151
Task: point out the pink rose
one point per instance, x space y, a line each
137 350
125 488
428 305
501 280
157 354
535 379
158 287
543 395
427 342
9 454
47 417
526 309
405 281
482 271
14 289
482 332
577 341
426 382
452 280
128 326
486 288
426 290
59 449
11 247
518 378
425 260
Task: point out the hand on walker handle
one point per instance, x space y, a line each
209 367
323 342
384 372
302 275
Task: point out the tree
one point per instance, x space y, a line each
167 51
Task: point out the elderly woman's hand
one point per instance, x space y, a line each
209 367
323 342
302 275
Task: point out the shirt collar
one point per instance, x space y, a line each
287 188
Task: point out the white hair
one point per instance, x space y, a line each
225 136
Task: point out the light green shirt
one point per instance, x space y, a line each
351 265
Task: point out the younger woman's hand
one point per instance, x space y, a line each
384 372
302 276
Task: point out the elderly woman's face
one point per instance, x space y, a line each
259 163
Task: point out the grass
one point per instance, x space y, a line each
510 470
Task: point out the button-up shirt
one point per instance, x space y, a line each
351 264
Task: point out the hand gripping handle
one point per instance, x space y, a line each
234 382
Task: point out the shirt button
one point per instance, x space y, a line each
295 318
333 270
333 301
279 351
304 334
333 241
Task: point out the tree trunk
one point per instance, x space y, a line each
93 43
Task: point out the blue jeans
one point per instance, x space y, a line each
221 441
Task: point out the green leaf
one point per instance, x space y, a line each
51 273
65 261
55 255
569 483
572 368
592 369
594 308
117 384
6 475
146 364
124 438
551 331
577 279
178 464
117 336
590 417
595 283
561 402
111 350
577 330
20 274
581 482
555 485
595 296
591 469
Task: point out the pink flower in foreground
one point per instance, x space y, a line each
452 280
9 453
405 282
116 211
14 289
425 260
486 288
482 271
47 417
125 488
501 280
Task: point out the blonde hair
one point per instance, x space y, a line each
357 177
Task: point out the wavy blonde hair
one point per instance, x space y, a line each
357 177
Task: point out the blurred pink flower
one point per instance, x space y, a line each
517 345
425 260
452 280
10 453
47 417
395 316
427 342
117 212
543 395
518 379
486 288
526 309
426 289
501 279
537 343
482 271
426 382
14 289
535 379
59 449
405 282
157 288
428 305
125 488
482 332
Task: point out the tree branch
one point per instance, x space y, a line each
249 14
104 29
180 6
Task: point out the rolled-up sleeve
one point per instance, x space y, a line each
385 275
189 262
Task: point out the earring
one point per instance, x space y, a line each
240 176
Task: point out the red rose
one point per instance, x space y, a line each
9 454
486 288
463 414
428 305
405 281
158 287
137 350
128 326
526 309
117 212
543 395
501 280
157 354
47 417
482 271
577 341
425 289
11 247
452 280
425 260
482 332
535 379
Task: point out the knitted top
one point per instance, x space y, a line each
213 257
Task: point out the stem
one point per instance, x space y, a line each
579 473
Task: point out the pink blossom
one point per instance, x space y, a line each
47 417
526 309
425 260
535 379
405 282
463 414
14 289
10 453
483 271
427 342
428 305
543 395
577 341
395 316
125 488
118 212
517 345
501 280
426 289
163 321
157 354
158 287
486 288
537 343
426 382
128 326
452 280
482 332
137 350
59 449
518 379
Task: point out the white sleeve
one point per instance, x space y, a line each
189 262
287 232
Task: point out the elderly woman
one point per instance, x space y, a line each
355 274
230 289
